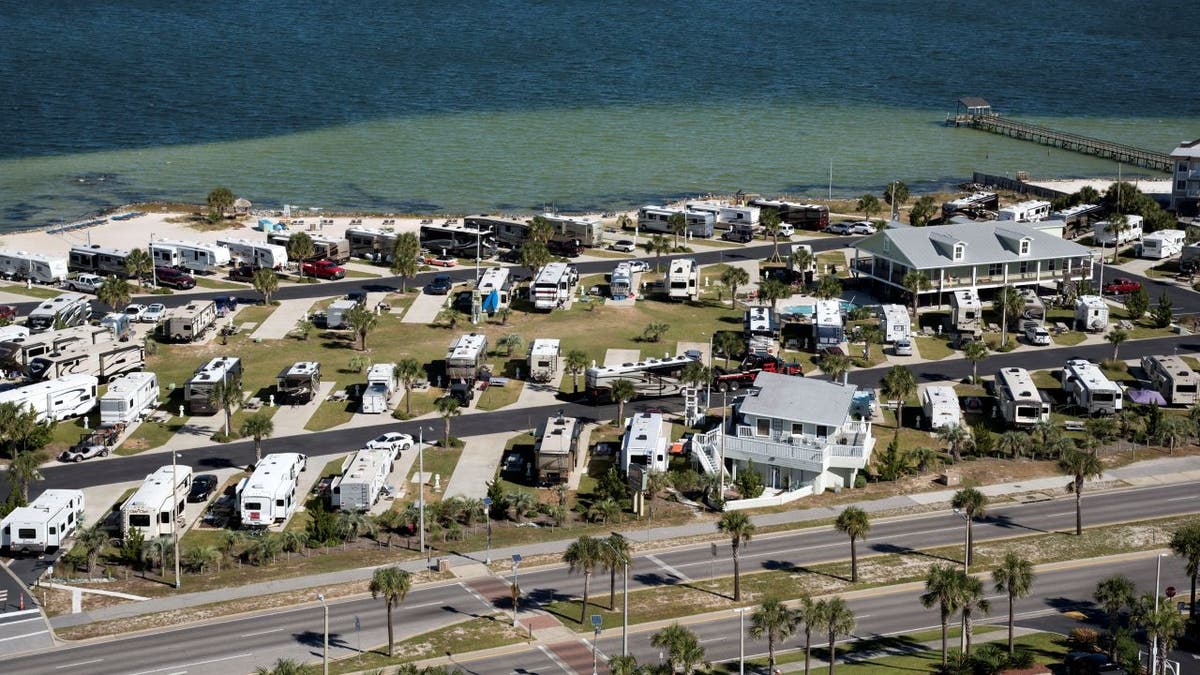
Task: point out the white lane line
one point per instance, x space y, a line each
599 652
478 597
557 661
76 665
197 663
670 570
13 623
1182 499
261 632
426 604
716 639
1059 515
18 637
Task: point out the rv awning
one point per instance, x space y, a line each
1145 396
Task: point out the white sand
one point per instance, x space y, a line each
1154 186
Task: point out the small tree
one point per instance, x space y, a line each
828 288
1161 315
654 331
922 211
677 223
975 352
738 527
92 540
115 292
733 278
855 524
1079 465
835 366
1185 543
899 383
972 504
1115 337
266 282
535 255
915 282
749 482
656 246
393 584
258 426
362 321
729 344
576 364
837 619
1136 303
1014 577
449 408
896 194
404 258
769 220
772 291
219 200
226 395
868 204
622 392
408 371
683 648
300 249
510 343
584 555
775 622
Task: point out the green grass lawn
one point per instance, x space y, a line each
363 274
1046 379
34 291
1069 339
219 285
494 398
935 348
150 435
331 414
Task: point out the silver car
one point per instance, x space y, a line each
903 347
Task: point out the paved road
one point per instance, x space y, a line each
242 644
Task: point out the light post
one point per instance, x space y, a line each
175 512
516 587
487 513
421 487
325 650
962 638
597 621
153 267
1154 642
721 469
741 640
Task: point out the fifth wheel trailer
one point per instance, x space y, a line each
381 385
105 361
362 480
44 524
187 324
56 400
268 496
160 499
128 398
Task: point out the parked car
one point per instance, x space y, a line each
80 453
512 255
392 440
839 228
154 313
903 347
85 283
1036 335
323 269
786 230
624 245
862 227
173 278
440 285
135 312
639 266
1121 285
243 273
739 236
8 312
441 261
203 487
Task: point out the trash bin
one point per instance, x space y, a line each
443 565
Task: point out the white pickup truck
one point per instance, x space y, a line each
85 283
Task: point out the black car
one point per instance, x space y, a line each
169 276
440 285
203 487
242 273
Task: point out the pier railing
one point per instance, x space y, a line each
1005 126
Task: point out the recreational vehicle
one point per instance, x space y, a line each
104 361
188 324
191 255
164 255
552 287
657 219
45 524
1104 235
197 391
58 399
1163 244
13 332
555 448
381 385
805 216
362 480
465 356
727 215
683 279
158 504
43 269
649 377
1089 389
971 204
645 442
269 496
1019 401
940 407
508 232
256 254
459 241
828 328
1077 220
589 231
543 359
371 243
1025 212
119 324
621 283
62 311
894 323
128 398
495 289
1091 313
1032 307
1173 378
299 382
335 314
98 260
966 312
760 327
16 353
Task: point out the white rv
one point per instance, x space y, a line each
645 442
1089 389
128 398
760 327
381 385
621 285
1025 212
1172 377
495 289
828 328
657 219
940 407
371 243
190 255
105 361
269 496
362 480
43 269
683 279
258 254
44 524
58 399
894 323
160 499
727 215
650 377
1163 244
13 332
552 287
1020 402
543 359
1104 236
61 311
335 314
589 231
17 352
466 354
966 312
188 324
1091 313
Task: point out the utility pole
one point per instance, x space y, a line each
421 486
325 651
175 512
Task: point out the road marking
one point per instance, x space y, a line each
426 604
261 632
475 593
599 652
75 665
197 663
1059 515
18 637
716 639
1181 499
670 570
13 623
557 661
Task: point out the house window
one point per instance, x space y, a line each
1183 167
1181 185
797 429
762 427
823 431
959 250
1052 264
1026 266
1024 247
995 270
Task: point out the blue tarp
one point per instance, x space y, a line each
268 225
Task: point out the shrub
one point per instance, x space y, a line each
1083 639
860 481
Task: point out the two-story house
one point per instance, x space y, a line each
798 432
983 256
1185 190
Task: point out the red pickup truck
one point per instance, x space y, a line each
749 369
1121 285
323 269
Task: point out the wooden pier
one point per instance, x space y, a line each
975 113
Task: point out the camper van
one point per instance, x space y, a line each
828 328
44 524
543 359
128 398
197 391
256 254
98 260
465 356
1104 236
190 255
683 279
1172 377
894 323
966 312
1020 403
299 382
552 287
1163 244
1089 389
104 361
58 399
188 324
158 503
495 290
621 283
362 480
17 352
1091 313
381 385
61 311
269 496
44 269
940 407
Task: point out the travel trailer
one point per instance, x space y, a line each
1172 377
894 323
104 361
939 405
656 219
362 480
1032 307
44 269
128 398
683 279
17 352
158 503
495 289
1020 403
589 231
645 442
804 216
727 215
381 385
324 248
190 255
622 283
335 314
119 323
299 382
269 496
1163 244
828 327
1077 220
61 311
1104 236
256 254
43 525
197 391
1089 389
1091 313
465 356
543 359
650 377
188 324
58 399
554 451
98 260
371 243
551 288
760 327
1025 212
966 312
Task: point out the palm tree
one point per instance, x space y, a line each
802 259
677 223
683 648
510 343
226 395
1118 224
975 352
23 470
448 408
956 437
854 523
774 621
621 392
869 335
258 426
808 615
534 255
139 264
899 383
1013 443
769 220
576 364
733 277
219 200
730 343
615 553
583 555
973 600
115 292
740 530
1185 543
404 258
943 588
299 249
656 246
1112 594
282 667
828 288
772 291
92 540
1008 303
624 222
1163 624
521 503
362 321
623 665
393 584
868 204
266 282
1080 466
408 371
973 504
1115 337
837 619
1013 577
915 282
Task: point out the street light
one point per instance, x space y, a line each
325 651
516 587
597 622
421 488
1154 643
487 513
175 512
962 638
741 640
624 597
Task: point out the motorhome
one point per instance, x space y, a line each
828 327
621 285
190 255
269 496
1091 313
61 311
188 324
256 254
645 442
465 357
104 361
805 216
1077 220
1089 389
1018 399
299 382
588 230
543 359
197 390
939 405
335 314
457 240
554 450
760 328
966 312
894 323
1172 377
683 279
128 398
971 204
44 269
1163 244
158 504
43 525
649 377
1025 212
371 243
98 260
17 352
362 480
508 231
381 386
551 288
1032 307
58 399
657 219
495 289
1103 233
